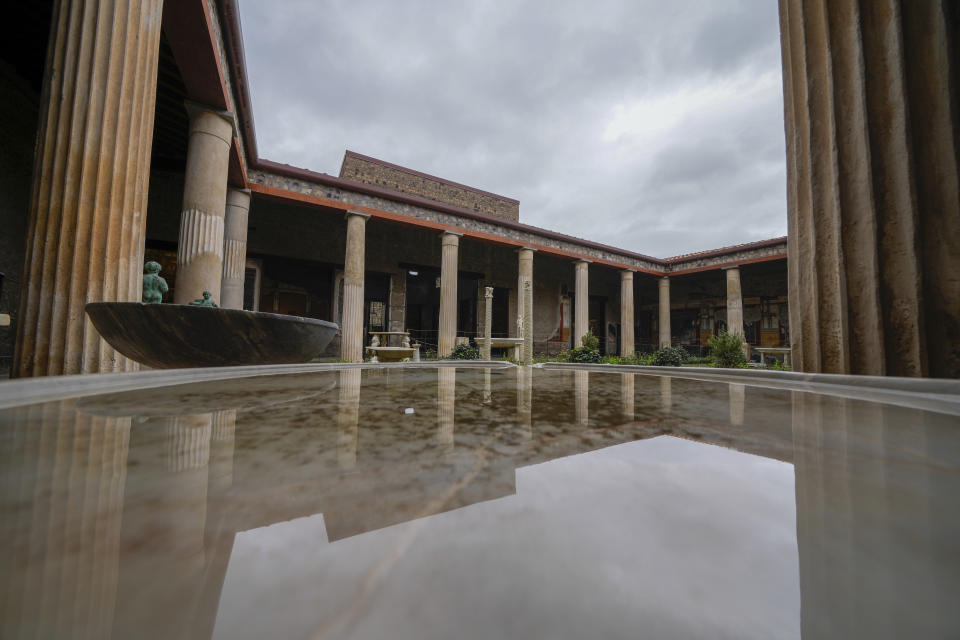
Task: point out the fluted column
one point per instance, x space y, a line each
873 186
626 313
234 248
91 173
582 302
734 302
200 248
449 246
351 340
627 396
525 299
488 322
664 322
581 397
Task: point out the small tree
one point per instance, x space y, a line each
726 349
589 352
669 357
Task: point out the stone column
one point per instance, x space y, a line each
734 302
525 299
200 248
627 347
873 185
351 331
488 322
450 244
234 249
86 224
582 302
664 322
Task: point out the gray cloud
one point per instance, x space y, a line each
656 127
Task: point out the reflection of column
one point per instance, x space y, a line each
626 313
234 248
626 396
200 248
449 246
92 164
877 520
62 521
525 400
446 405
348 418
351 333
581 400
487 388
737 398
488 322
582 302
665 338
188 457
221 450
666 394
525 299
873 142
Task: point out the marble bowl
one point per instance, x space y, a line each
173 336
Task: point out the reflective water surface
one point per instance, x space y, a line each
478 503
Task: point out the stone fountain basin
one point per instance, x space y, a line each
171 336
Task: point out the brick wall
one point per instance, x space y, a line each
382 174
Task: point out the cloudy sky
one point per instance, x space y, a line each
649 125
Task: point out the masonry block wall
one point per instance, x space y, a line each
389 176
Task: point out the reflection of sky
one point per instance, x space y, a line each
656 538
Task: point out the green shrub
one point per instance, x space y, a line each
781 366
464 352
727 350
669 357
584 354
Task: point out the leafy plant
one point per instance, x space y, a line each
781 366
727 350
670 357
591 342
464 352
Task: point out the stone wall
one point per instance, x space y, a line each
389 176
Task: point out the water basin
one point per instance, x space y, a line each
477 502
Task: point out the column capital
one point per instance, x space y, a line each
582 261
447 232
348 214
195 109
519 249
730 267
627 272
488 292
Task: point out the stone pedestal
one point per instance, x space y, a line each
873 185
664 321
200 248
627 347
450 244
234 249
582 302
351 329
488 322
92 168
525 300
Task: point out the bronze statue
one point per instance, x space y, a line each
205 301
153 285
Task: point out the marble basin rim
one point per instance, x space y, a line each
174 336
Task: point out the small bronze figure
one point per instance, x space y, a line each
153 285
205 301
